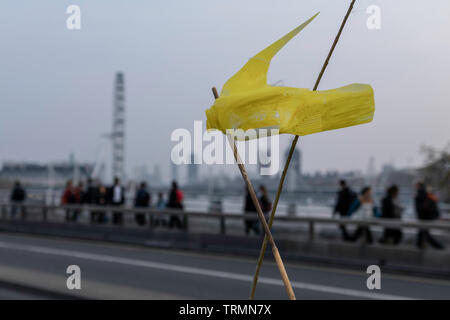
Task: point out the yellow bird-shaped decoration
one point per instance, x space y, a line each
248 102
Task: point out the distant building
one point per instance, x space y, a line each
141 174
37 174
156 177
295 169
192 171
262 166
371 173
296 162
174 171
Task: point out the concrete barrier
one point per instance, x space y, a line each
402 258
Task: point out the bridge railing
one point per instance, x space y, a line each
46 213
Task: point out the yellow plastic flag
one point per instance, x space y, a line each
248 102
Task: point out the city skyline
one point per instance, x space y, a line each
68 76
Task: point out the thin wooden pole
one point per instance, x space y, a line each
288 160
262 219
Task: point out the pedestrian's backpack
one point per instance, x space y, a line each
353 196
355 204
179 199
430 208
376 212
72 198
267 206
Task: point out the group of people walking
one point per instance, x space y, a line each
349 204
114 195
362 206
100 195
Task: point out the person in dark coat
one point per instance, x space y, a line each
142 200
116 197
90 194
266 204
176 202
69 198
90 197
18 196
101 199
391 210
344 200
426 210
250 208
79 195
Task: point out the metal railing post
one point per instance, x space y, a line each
311 230
185 223
150 221
44 213
222 225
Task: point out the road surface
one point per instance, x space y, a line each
117 271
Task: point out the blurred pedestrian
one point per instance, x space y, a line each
345 198
250 209
90 194
90 197
68 198
176 202
363 209
79 195
426 210
101 200
161 204
18 196
266 204
390 209
117 198
142 200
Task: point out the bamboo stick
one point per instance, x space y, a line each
262 219
288 160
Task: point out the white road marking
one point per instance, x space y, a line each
289 264
198 271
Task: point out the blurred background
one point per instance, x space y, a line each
81 107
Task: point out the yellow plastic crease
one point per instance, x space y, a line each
248 102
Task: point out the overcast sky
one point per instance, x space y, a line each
56 84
